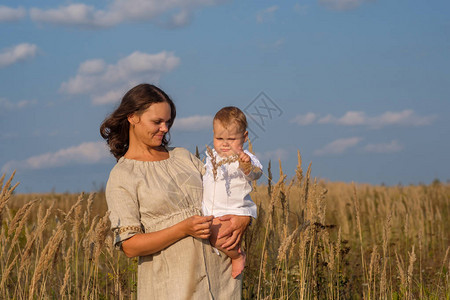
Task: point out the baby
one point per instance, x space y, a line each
227 181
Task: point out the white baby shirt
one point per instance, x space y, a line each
230 192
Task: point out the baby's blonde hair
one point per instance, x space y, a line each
229 115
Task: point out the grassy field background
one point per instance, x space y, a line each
312 240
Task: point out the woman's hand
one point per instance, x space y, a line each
197 226
238 225
152 242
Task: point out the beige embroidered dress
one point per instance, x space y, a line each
147 196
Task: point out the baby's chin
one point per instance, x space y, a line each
225 154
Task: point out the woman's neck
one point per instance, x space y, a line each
147 153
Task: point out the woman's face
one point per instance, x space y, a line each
151 126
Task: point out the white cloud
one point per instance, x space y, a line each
406 117
353 118
107 83
307 119
180 19
327 119
266 14
85 153
273 155
393 146
193 123
93 66
342 5
8 14
5 104
174 13
338 146
17 53
110 97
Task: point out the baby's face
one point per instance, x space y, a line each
228 140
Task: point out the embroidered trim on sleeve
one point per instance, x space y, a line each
129 228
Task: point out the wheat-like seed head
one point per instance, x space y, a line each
401 270
68 215
250 147
109 245
62 290
264 263
40 213
37 234
373 263
87 212
215 164
6 191
101 231
299 170
412 259
20 215
24 214
76 223
2 178
89 237
7 271
228 160
46 257
285 245
213 161
67 262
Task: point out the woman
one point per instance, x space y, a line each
154 194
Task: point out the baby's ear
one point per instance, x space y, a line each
245 136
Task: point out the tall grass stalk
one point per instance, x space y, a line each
312 240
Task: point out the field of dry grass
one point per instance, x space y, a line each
312 240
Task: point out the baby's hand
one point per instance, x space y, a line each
244 157
245 163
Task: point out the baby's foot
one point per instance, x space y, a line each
237 265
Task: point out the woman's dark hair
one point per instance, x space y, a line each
115 128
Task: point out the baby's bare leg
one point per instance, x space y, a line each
237 255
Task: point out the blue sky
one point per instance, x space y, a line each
361 88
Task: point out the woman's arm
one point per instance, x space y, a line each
238 225
149 243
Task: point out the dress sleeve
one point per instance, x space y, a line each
123 206
198 163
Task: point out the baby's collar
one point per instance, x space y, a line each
216 155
